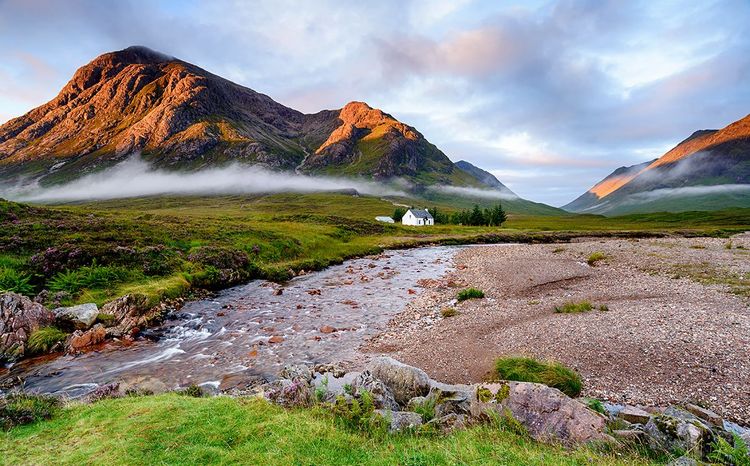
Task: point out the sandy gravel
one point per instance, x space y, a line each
666 338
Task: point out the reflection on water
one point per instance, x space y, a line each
320 317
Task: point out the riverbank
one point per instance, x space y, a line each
675 329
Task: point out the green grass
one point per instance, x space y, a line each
469 293
448 312
550 373
100 251
174 429
574 308
43 339
595 257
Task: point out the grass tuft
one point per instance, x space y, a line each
448 312
470 293
24 408
44 339
595 257
574 308
552 374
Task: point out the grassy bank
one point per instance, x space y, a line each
174 429
164 247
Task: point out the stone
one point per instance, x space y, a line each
276 339
382 395
551 416
81 340
634 415
667 433
80 317
405 382
399 420
289 393
705 414
142 385
296 372
327 329
684 461
130 312
451 399
241 382
19 318
449 422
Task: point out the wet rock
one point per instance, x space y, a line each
551 416
80 339
405 382
667 433
142 385
297 372
80 317
382 396
705 414
333 369
241 382
399 420
19 317
634 415
151 334
130 311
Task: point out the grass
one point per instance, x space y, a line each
448 312
174 429
20 408
156 246
44 339
595 257
469 293
709 274
550 373
574 308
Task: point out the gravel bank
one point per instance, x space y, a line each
676 329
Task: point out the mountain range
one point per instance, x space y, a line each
179 116
709 170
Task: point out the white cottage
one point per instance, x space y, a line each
417 217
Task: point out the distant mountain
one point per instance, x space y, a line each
709 170
180 116
484 177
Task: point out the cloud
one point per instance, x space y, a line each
473 192
664 193
592 84
134 177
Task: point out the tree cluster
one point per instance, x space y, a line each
493 217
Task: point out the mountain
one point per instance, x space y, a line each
179 116
709 170
484 177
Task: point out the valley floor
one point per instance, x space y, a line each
677 326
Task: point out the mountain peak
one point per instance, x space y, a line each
137 54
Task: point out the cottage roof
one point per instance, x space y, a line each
421 213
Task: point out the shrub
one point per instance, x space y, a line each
358 413
573 308
44 339
23 408
595 257
449 312
193 390
552 374
470 293
426 408
91 277
11 280
595 405
725 453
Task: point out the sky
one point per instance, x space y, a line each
549 96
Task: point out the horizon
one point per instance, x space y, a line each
550 97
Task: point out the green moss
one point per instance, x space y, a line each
552 374
469 293
595 257
574 308
484 394
502 393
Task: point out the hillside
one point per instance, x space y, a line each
708 170
181 117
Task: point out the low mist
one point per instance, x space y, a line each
687 191
473 192
135 177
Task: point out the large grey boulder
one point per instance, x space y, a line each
405 382
19 318
382 396
634 415
131 313
547 413
80 317
669 433
399 420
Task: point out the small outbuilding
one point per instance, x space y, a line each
384 219
417 217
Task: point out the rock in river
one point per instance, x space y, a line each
19 317
80 317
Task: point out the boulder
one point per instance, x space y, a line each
634 415
142 385
19 317
241 383
79 340
296 372
130 311
80 317
449 399
551 416
382 396
405 382
399 420
449 422
705 414
289 393
667 433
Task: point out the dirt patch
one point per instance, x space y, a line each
668 336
